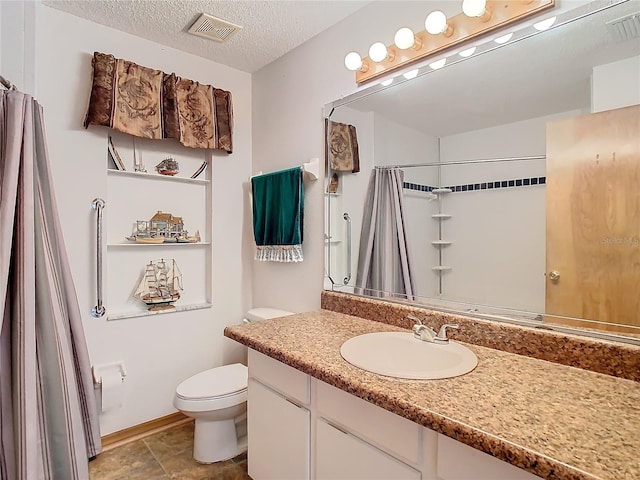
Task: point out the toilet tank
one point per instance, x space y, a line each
264 313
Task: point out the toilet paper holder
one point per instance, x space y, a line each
97 376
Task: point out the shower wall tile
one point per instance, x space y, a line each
470 187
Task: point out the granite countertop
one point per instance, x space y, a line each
555 421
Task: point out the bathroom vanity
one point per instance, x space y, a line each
313 415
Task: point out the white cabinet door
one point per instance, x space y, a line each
278 433
340 455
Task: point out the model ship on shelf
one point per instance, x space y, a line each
168 166
160 285
163 227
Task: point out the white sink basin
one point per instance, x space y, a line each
401 355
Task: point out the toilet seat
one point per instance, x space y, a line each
213 389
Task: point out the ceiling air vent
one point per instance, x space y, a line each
213 28
625 28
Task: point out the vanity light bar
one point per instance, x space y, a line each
462 29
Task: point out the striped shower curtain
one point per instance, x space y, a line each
384 268
48 415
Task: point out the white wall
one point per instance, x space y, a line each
17 43
288 129
616 85
159 351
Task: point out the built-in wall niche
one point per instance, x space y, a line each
136 195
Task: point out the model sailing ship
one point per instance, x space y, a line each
160 285
168 166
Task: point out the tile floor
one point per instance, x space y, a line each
167 455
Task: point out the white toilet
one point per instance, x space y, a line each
217 399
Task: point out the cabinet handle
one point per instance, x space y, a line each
293 403
336 427
99 310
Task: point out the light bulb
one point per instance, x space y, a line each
386 83
436 22
474 8
468 52
504 38
378 52
438 64
404 38
411 74
353 61
544 24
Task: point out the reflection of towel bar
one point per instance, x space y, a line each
311 170
347 218
99 310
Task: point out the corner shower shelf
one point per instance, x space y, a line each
440 269
441 190
441 216
440 243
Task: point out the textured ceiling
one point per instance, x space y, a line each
270 28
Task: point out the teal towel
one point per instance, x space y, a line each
278 213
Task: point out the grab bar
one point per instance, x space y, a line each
348 220
99 310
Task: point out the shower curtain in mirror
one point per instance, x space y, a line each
383 261
48 416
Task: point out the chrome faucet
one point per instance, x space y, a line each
427 334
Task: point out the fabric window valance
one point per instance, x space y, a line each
149 103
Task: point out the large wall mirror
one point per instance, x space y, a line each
505 184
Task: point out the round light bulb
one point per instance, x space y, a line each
438 64
404 38
544 24
504 38
468 52
378 52
353 61
436 22
474 8
411 74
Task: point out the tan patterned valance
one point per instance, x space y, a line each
149 103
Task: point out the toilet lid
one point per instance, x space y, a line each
215 382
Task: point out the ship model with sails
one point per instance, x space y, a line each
160 285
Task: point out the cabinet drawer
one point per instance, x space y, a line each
340 455
382 428
283 378
457 461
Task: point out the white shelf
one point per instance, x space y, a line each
441 242
146 313
441 216
440 269
137 245
157 176
441 190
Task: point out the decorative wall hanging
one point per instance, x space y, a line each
149 103
341 150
